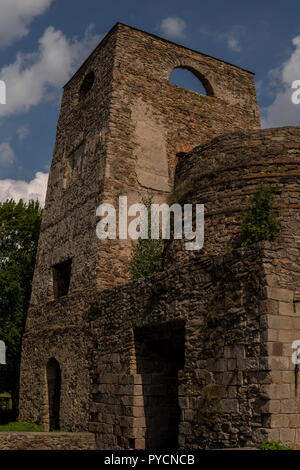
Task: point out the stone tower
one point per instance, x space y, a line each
121 127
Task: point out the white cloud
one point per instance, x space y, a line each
15 17
173 27
7 156
23 132
233 44
232 37
37 76
34 190
282 112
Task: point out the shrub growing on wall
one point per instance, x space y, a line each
260 222
147 254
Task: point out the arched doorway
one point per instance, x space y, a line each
54 386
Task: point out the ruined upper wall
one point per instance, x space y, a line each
152 119
121 137
75 186
224 175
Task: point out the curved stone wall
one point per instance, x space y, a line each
224 175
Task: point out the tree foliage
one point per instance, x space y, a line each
260 222
19 233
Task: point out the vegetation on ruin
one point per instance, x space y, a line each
17 426
147 254
260 222
19 233
273 445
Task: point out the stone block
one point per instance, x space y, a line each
279 421
286 308
287 336
189 415
230 406
140 444
138 411
269 306
183 402
269 335
271 406
287 436
279 363
288 406
295 420
276 391
231 364
277 293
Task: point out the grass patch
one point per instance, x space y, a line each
21 427
273 445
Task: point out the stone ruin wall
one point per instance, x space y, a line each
239 311
237 315
224 175
243 305
104 146
153 120
102 151
232 377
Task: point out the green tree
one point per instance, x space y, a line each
147 254
19 233
260 222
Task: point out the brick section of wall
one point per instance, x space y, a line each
46 441
282 322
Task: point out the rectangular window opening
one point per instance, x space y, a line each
61 278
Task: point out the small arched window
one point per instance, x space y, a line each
86 85
191 79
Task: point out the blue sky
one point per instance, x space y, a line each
42 42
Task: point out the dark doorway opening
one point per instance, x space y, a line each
61 278
160 353
54 388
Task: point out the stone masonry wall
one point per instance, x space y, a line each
152 120
120 138
219 303
281 319
224 175
46 441
200 354
236 384
57 330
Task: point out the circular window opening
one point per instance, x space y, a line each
86 85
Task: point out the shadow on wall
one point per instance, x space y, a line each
54 389
160 355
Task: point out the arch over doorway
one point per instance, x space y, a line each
54 392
